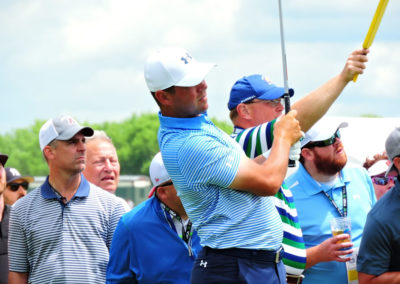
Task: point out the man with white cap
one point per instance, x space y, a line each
17 185
4 220
61 232
221 189
379 257
324 188
155 242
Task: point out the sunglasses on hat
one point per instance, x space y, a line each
383 180
325 142
15 186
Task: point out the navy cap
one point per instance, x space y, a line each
254 87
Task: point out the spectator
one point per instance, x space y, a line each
17 185
4 217
254 102
324 188
379 257
377 167
155 242
221 189
61 231
102 165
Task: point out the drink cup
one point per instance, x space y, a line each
341 225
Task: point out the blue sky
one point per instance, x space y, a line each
85 58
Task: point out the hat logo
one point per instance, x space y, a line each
187 58
266 79
14 172
157 179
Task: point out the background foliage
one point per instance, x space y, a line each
134 138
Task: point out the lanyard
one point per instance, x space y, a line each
344 197
185 231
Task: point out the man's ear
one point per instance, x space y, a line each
396 162
307 154
163 97
48 152
243 111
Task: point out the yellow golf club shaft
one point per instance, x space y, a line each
376 21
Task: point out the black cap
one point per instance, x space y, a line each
3 159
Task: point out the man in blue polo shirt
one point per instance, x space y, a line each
324 188
61 232
226 194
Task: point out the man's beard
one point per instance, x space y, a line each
329 166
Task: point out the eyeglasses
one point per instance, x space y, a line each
383 180
272 103
15 186
166 184
324 143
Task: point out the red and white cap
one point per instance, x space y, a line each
158 173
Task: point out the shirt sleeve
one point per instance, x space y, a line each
375 250
17 245
256 140
216 161
119 265
116 214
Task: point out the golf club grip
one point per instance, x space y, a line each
286 97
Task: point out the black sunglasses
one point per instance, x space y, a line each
324 143
15 186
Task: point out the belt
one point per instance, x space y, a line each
294 279
265 255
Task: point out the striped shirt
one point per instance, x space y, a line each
203 161
63 243
255 141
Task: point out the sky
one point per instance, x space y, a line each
86 58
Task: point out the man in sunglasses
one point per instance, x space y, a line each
17 185
4 221
155 242
324 188
379 257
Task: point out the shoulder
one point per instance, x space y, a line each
142 213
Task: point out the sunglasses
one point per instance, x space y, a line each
272 103
15 186
324 143
383 180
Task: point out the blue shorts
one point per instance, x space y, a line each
238 266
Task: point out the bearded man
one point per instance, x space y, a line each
324 188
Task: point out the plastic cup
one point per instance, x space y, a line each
341 225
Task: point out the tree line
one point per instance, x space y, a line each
135 139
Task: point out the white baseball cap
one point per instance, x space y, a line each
63 127
321 131
174 66
158 173
378 168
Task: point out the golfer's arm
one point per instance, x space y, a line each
313 106
266 178
387 277
17 277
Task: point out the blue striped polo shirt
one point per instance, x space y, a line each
63 243
202 161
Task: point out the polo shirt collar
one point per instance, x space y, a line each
317 187
48 192
184 123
